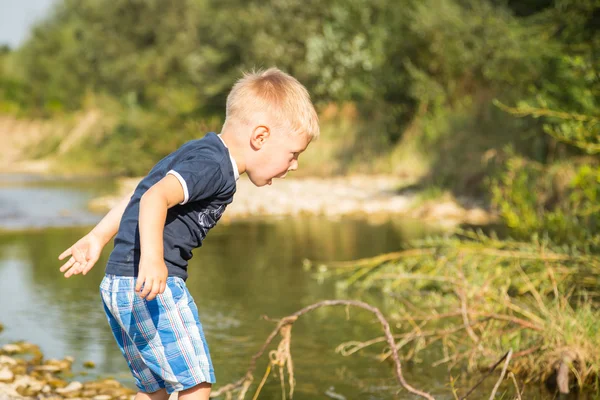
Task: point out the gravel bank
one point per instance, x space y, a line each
373 196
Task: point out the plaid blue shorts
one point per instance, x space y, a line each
162 339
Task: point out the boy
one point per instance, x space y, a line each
269 121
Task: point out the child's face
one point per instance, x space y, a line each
277 155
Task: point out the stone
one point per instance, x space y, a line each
6 375
70 388
102 397
48 368
52 365
110 383
6 360
30 384
10 349
8 393
57 383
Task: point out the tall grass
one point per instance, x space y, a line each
473 297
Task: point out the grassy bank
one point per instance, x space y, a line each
484 297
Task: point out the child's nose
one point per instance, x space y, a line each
293 166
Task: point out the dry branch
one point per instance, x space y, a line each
284 327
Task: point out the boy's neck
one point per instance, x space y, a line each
235 148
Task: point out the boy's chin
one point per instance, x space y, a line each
262 182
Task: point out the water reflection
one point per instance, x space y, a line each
244 270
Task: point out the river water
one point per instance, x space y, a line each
244 270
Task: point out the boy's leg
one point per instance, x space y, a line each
158 395
198 392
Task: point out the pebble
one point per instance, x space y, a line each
6 360
6 375
36 378
11 348
71 387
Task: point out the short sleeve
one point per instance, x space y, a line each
199 180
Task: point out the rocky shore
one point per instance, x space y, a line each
368 196
25 374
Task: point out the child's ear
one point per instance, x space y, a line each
259 136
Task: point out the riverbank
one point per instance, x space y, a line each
26 374
373 197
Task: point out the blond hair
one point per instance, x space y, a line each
280 96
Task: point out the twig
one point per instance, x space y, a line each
262 382
386 329
351 347
527 352
512 376
433 317
248 376
523 111
463 307
501 375
492 368
289 320
378 260
515 320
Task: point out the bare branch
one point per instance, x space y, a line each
289 320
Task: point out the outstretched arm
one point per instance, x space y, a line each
86 251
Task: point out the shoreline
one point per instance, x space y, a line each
35 376
373 197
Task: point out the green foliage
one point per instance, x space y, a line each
472 297
558 196
427 71
467 46
559 200
13 91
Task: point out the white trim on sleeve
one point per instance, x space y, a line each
186 194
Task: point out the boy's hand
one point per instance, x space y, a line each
153 276
84 254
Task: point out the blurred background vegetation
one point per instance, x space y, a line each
493 98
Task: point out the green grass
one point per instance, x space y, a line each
479 296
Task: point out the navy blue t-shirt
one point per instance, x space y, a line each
205 170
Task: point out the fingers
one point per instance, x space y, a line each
156 285
67 265
76 269
90 263
72 270
140 281
148 288
76 263
65 253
